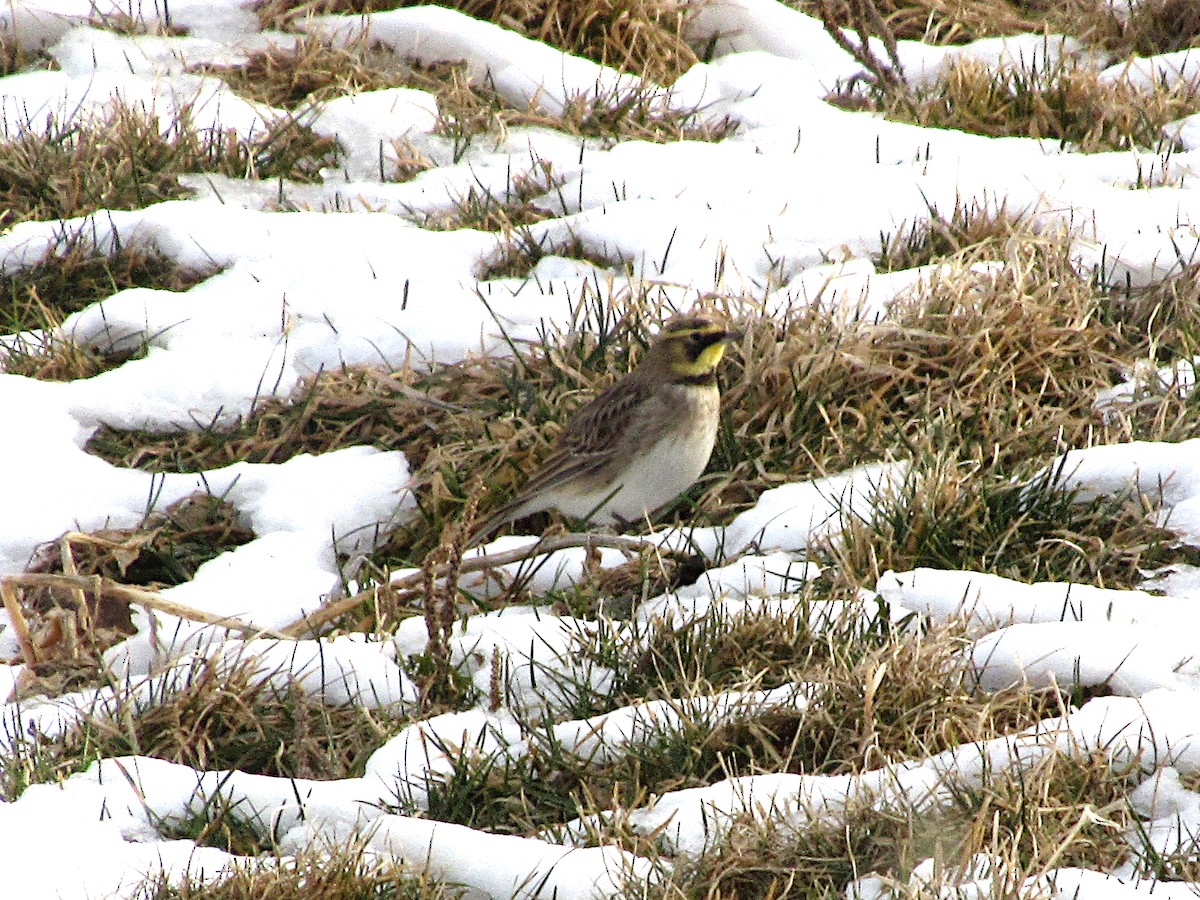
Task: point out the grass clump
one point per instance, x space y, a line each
551 784
34 759
222 713
760 860
153 21
1068 809
880 693
164 550
969 233
338 873
1147 28
127 159
15 58
48 357
640 36
511 211
929 21
335 409
311 71
471 107
957 513
1071 105
35 301
231 714
1009 360
1068 101
73 276
524 250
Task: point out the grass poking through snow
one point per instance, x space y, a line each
128 159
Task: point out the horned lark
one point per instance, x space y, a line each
639 444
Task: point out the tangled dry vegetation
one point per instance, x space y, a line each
979 381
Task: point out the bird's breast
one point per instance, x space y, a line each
660 470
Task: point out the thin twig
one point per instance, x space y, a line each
392 382
139 596
67 558
865 14
322 616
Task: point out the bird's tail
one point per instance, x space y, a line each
496 520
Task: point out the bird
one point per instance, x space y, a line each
641 443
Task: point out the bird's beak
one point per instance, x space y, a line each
732 334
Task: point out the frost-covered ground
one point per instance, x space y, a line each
792 204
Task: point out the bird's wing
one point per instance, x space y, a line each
583 449
593 436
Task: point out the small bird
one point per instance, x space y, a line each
642 442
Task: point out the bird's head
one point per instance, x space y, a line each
691 346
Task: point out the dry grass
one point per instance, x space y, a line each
15 58
213 715
1007 364
144 21
336 409
337 873
884 694
228 715
1068 102
36 300
523 251
932 21
639 36
164 550
127 160
512 213
1071 105
223 716
312 72
47 357
471 107
1153 26
1063 811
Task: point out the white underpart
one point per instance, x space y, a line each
650 483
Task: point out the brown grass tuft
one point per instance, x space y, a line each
882 695
639 36
1009 362
335 873
933 21
127 160
1070 104
1153 26
227 715
1066 810
310 72
37 300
